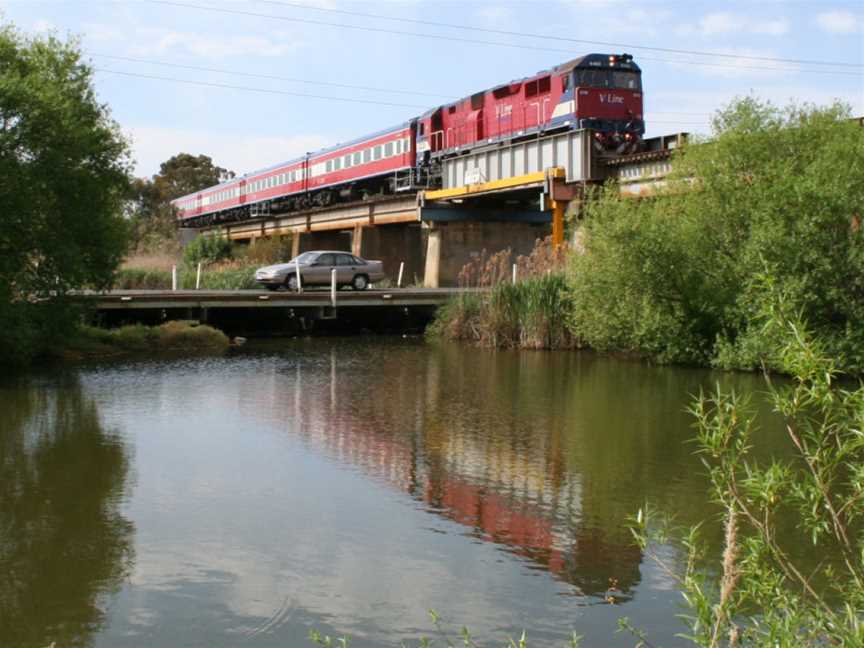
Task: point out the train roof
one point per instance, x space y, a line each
587 61
323 151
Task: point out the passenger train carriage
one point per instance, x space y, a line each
601 92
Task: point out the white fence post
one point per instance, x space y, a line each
333 287
399 280
198 277
299 282
514 274
174 277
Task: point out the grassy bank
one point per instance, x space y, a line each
170 337
224 265
524 315
232 275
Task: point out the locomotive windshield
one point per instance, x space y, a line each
605 78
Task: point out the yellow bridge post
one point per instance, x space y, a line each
558 223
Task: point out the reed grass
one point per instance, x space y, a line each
530 314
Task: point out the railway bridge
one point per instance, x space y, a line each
502 196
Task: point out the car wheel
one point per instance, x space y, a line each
291 282
360 282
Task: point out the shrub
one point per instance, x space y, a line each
273 249
208 248
170 336
763 592
677 277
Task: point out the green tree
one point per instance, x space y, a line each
675 276
64 165
153 218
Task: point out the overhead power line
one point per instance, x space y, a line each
226 86
457 39
209 84
266 76
504 32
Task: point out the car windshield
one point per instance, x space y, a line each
306 257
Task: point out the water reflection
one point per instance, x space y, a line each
64 547
545 455
345 485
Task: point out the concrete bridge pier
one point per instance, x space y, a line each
452 245
321 240
393 244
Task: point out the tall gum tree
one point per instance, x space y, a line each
64 174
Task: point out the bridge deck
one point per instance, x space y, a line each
167 299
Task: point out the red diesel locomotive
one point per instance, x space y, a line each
600 92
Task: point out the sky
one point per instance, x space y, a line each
255 82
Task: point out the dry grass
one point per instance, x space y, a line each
152 261
489 270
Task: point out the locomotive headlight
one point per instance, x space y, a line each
611 61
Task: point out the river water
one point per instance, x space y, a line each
349 486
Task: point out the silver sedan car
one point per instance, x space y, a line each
315 270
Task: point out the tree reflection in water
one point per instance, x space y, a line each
64 546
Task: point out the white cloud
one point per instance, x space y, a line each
736 63
44 26
729 23
214 47
606 18
152 145
700 105
839 22
99 33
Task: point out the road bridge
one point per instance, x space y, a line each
252 310
494 197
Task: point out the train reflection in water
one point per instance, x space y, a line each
505 479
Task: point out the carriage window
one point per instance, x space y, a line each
346 161
377 154
337 164
544 85
329 166
367 155
388 149
357 158
477 100
531 89
398 147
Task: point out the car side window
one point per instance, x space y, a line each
325 259
344 259
358 261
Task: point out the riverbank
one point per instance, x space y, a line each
89 342
691 276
